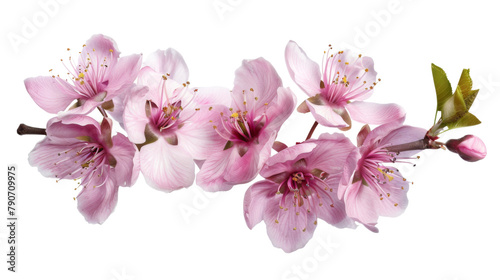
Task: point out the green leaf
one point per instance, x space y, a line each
467 120
469 99
454 108
465 83
442 85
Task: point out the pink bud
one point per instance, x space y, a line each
469 147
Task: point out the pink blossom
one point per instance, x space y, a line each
300 186
77 147
371 185
169 122
469 148
248 128
99 76
336 93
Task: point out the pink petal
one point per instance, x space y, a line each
166 167
382 131
349 167
124 152
123 75
259 81
96 204
281 108
47 153
86 105
373 113
282 161
327 159
244 168
98 47
67 128
361 203
149 77
403 134
135 118
189 135
169 61
256 201
121 100
304 72
213 96
282 234
51 94
363 133
211 174
336 215
325 115
395 198
266 141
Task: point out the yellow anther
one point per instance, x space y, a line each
81 75
110 50
385 174
234 115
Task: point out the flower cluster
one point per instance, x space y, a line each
172 126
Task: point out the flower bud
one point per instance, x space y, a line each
469 147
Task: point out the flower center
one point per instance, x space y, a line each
90 74
86 161
343 77
377 170
165 117
307 193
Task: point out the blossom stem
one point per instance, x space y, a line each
103 113
26 129
312 130
421 144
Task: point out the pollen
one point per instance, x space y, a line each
276 221
395 204
234 115
81 75
110 50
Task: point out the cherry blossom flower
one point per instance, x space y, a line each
336 94
248 127
169 122
300 186
78 147
99 76
371 185
470 147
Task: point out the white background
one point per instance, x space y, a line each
450 230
